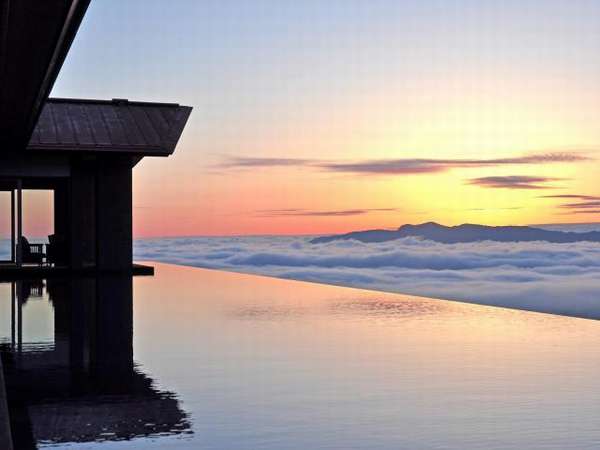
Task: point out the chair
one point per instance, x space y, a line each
31 253
56 250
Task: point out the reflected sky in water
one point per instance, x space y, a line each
246 362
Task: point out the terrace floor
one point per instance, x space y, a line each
11 272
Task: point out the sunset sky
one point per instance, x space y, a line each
319 117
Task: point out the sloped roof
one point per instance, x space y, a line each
118 125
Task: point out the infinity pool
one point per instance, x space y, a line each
202 359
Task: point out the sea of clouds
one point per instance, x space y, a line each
540 276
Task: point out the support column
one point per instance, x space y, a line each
62 224
19 222
13 243
100 223
61 209
113 215
19 288
82 216
13 314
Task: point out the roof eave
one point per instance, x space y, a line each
118 126
64 41
182 116
100 150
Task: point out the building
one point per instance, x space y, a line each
82 150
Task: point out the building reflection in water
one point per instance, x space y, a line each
85 387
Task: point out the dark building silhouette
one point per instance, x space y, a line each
82 150
84 387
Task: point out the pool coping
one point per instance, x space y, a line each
13 273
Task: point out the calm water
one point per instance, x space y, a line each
206 359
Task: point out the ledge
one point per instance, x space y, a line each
12 273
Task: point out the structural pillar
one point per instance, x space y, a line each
113 215
19 222
82 216
13 243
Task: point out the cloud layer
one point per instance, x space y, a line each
514 182
556 278
585 204
402 166
298 212
416 166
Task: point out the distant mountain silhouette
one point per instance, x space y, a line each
464 233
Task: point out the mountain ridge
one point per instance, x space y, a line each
464 233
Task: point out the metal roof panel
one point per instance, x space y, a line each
109 126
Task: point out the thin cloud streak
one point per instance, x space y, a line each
582 205
589 211
572 196
590 204
241 162
292 212
514 182
401 166
418 166
510 208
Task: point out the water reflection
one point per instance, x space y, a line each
389 309
83 385
263 363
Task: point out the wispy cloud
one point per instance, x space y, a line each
585 211
510 208
241 162
418 166
588 204
294 212
571 196
402 166
514 182
582 205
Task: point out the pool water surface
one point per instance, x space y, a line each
203 359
